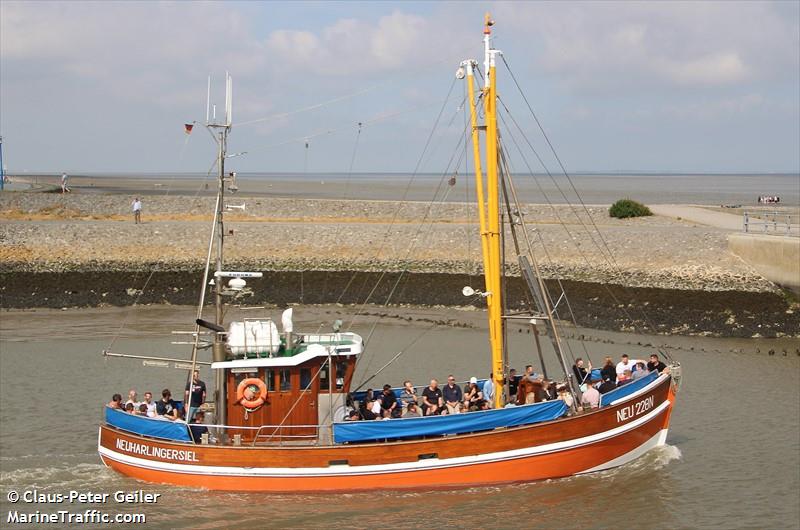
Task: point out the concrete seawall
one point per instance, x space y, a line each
777 258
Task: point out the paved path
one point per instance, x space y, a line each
699 215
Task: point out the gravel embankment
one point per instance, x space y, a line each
49 232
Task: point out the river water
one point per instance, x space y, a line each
732 459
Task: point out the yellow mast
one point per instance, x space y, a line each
494 298
489 205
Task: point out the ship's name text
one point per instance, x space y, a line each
635 409
157 452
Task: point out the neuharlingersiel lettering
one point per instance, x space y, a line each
157 452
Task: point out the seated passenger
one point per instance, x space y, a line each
451 393
488 391
625 378
142 410
151 405
197 428
625 364
389 407
641 371
412 411
166 407
133 399
365 410
376 409
591 397
353 415
581 372
529 374
655 364
129 408
473 397
407 396
513 382
432 400
564 395
609 371
607 386
116 402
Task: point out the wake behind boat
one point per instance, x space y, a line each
282 408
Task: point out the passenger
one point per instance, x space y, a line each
376 409
133 399
407 396
166 408
641 371
353 415
625 378
591 396
197 396
609 371
513 384
432 401
365 410
412 411
129 408
564 395
473 395
116 402
625 364
151 406
488 391
529 374
389 405
655 364
197 428
452 395
142 410
581 373
607 386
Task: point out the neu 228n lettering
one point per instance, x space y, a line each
635 409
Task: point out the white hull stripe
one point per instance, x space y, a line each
345 470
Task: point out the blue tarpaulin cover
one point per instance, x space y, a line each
361 431
145 426
627 389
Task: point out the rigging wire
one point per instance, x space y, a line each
610 256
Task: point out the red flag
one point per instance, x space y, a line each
188 127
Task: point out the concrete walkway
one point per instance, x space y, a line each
700 215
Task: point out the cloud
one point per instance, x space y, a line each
655 43
353 46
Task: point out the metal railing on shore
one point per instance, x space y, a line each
771 222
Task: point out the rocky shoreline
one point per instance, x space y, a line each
84 250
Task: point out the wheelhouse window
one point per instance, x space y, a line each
305 379
269 379
324 381
286 379
341 370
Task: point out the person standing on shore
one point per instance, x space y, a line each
64 187
137 211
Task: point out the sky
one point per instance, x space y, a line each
618 86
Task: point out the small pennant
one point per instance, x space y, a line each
187 127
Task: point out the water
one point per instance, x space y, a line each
732 457
711 189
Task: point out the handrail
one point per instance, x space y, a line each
771 222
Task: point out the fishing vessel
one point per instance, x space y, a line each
281 395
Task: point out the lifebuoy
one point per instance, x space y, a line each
253 400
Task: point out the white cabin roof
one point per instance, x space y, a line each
319 345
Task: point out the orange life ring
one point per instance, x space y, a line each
252 403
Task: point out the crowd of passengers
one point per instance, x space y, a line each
166 408
527 388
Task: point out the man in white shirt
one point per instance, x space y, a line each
625 364
137 211
151 405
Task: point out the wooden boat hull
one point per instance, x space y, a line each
602 439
